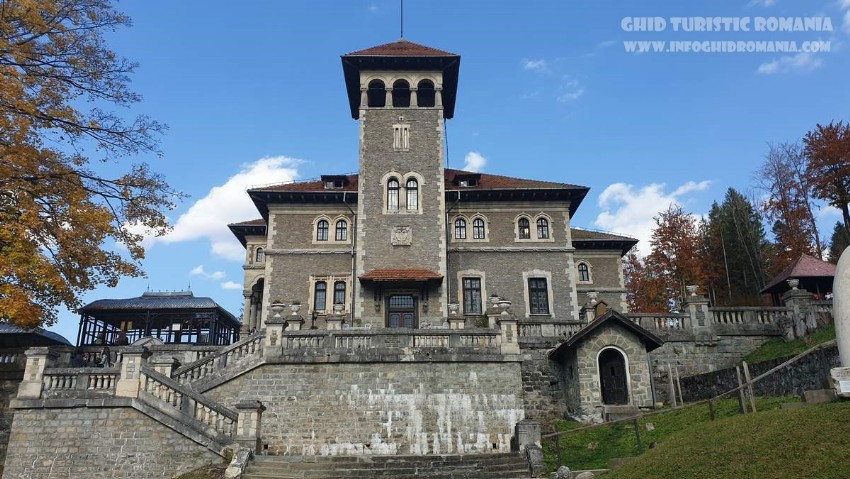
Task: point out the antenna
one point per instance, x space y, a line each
401 19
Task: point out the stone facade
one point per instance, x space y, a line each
389 408
98 443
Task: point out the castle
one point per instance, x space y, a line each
407 309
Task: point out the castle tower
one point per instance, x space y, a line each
402 93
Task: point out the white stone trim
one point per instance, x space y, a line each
548 219
472 273
470 219
589 271
330 281
420 183
628 372
537 273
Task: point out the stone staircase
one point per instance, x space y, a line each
479 466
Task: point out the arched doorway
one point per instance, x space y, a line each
612 375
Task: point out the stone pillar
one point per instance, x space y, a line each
274 332
364 97
696 306
841 307
389 99
246 313
294 323
527 433
129 382
413 97
165 365
800 302
37 360
335 321
438 97
248 424
510 333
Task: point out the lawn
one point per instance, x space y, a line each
778 348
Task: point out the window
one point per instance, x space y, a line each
524 228
341 233
538 296
542 228
392 194
401 94
425 95
320 296
376 94
260 256
583 273
472 295
401 137
412 194
339 292
478 228
401 311
322 230
460 228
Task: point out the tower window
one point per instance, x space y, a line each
583 273
542 228
425 95
460 228
260 256
412 187
478 229
401 137
401 94
392 194
322 230
538 296
320 296
339 292
377 94
524 228
341 233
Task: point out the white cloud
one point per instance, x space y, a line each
474 161
228 203
764 3
799 62
231 285
629 210
571 90
199 271
534 65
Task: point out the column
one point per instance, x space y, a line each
248 424
246 313
364 97
129 382
438 97
37 360
389 98
413 99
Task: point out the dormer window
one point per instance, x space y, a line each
466 181
334 182
260 256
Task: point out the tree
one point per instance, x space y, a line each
827 148
735 251
675 251
645 289
788 204
59 214
838 243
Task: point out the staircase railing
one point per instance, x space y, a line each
252 346
178 401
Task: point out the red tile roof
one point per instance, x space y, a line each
805 267
408 274
257 222
311 185
402 48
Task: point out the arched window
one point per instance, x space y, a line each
460 228
377 94
542 228
583 273
339 292
392 194
322 230
320 296
478 228
412 194
341 233
425 95
524 228
401 94
259 256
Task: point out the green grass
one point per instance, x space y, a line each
778 348
808 442
593 448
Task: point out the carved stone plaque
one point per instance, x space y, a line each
401 236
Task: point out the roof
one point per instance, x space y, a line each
805 267
588 240
155 300
248 228
407 274
402 47
649 340
350 184
30 337
401 55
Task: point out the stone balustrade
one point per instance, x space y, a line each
747 315
64 382
662 321
354 339
250 347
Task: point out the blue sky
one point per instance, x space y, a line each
253 94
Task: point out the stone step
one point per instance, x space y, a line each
469 466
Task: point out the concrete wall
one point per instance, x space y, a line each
383 408
98 443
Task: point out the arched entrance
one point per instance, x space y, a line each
612 375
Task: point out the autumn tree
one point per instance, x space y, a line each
827 148
735 251
645 289
839 242
61 214
788 203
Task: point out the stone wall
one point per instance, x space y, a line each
382 408
98 443
9 381
542 385
810 372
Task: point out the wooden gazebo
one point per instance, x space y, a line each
172 317
815 277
